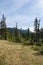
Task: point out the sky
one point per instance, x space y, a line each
23 12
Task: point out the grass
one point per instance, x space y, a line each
14 54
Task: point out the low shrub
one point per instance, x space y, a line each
41 50
36 48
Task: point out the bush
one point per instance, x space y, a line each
29 42
36 48
38 44
41 50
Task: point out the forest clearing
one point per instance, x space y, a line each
14 54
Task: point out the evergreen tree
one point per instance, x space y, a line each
17 39
36 28
28 34
41 34
3 28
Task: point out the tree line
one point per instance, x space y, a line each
28 37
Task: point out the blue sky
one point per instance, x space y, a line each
22 11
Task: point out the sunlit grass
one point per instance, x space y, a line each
14 54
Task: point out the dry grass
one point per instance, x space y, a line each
12 54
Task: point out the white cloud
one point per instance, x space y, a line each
19 18
20 3
31 29
11 6
26 17
40 3
22 20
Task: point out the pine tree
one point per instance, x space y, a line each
41 34
36 28
16 34
28 34
3 28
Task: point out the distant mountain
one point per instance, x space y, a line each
19 30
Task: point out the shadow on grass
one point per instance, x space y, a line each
38 53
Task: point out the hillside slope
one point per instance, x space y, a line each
14 54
